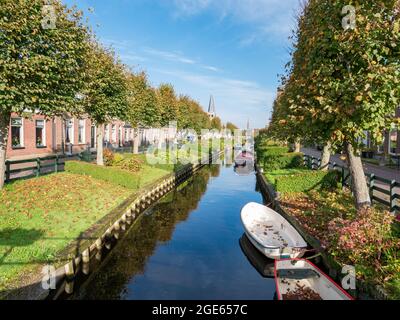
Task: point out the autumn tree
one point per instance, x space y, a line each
231 127
42 59
347 75
106 90
142 105
167 104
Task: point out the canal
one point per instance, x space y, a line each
188 246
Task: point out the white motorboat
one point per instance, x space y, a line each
270 233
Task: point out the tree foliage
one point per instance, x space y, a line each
106 90
40 69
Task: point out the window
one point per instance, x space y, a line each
81 132
366 141
93 136
69 131
17 133
114 133
126 134
107 133
40 133
393 142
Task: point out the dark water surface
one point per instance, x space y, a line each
187 246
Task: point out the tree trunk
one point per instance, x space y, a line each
297 146
136 141
100 142
4 127
359 182
326 156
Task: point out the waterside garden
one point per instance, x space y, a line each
367 239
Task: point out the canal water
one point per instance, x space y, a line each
188 247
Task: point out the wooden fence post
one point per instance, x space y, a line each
319 164
8 173
37 167
343 177
56 165
392 197
371 187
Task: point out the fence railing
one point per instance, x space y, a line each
36 167
383 191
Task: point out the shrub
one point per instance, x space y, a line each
275 151
303 180
118 158
363 239
130 164
108 156
114 175
282 161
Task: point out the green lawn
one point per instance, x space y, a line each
123 178
42 216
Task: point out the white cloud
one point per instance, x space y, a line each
172 56
236 99
271 19
211 68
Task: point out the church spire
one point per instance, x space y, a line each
211 108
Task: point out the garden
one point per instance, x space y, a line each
367 239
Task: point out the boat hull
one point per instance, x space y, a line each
299 279
270 233
275 253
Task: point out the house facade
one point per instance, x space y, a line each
390 145
38 136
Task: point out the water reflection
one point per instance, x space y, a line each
186 247
260 262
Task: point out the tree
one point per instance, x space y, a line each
41 67
106 92
142 105
348 80
216 123
167 104
232 127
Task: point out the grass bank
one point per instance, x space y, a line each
41 216
368 240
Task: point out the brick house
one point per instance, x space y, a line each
390 145
40 136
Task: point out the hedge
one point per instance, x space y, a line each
297 180
114 175
282 161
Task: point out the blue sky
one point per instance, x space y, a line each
233 49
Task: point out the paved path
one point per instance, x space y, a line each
383 172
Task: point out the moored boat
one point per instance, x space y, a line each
299 279
270 233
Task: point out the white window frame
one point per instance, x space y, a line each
83 135
44 144
390 140
95 135
113 133
72 133
107 133
21 133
